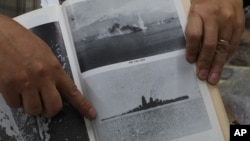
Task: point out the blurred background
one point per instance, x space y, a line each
235 81
14 8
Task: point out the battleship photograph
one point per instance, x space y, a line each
158 100
116 32
150 105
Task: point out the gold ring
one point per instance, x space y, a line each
222 47
223 43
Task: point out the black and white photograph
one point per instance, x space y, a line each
68 124
158 100
115 31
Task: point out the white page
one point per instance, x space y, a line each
108 84
46 3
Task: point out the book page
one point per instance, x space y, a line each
48 24
132 59
46 3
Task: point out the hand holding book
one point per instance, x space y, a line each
209 23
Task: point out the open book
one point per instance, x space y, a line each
128 57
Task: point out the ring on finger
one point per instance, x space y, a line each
222 47
223 43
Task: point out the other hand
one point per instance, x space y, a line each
213 33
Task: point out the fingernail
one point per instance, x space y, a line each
92 113
191 59
203 74
214 78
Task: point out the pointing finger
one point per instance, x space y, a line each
69 90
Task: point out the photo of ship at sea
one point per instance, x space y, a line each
158 100
163 123
149 105
117 32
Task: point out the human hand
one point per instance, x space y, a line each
213 33
31 76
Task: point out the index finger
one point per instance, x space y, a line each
68 89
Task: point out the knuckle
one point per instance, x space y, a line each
81 102
45 69
192 51
228 15
207 10
74 91
84 103
21 77
55 64
196 8
40 69
209 45
24 78
214 10
192 34
204 63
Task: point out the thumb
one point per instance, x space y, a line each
68 90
